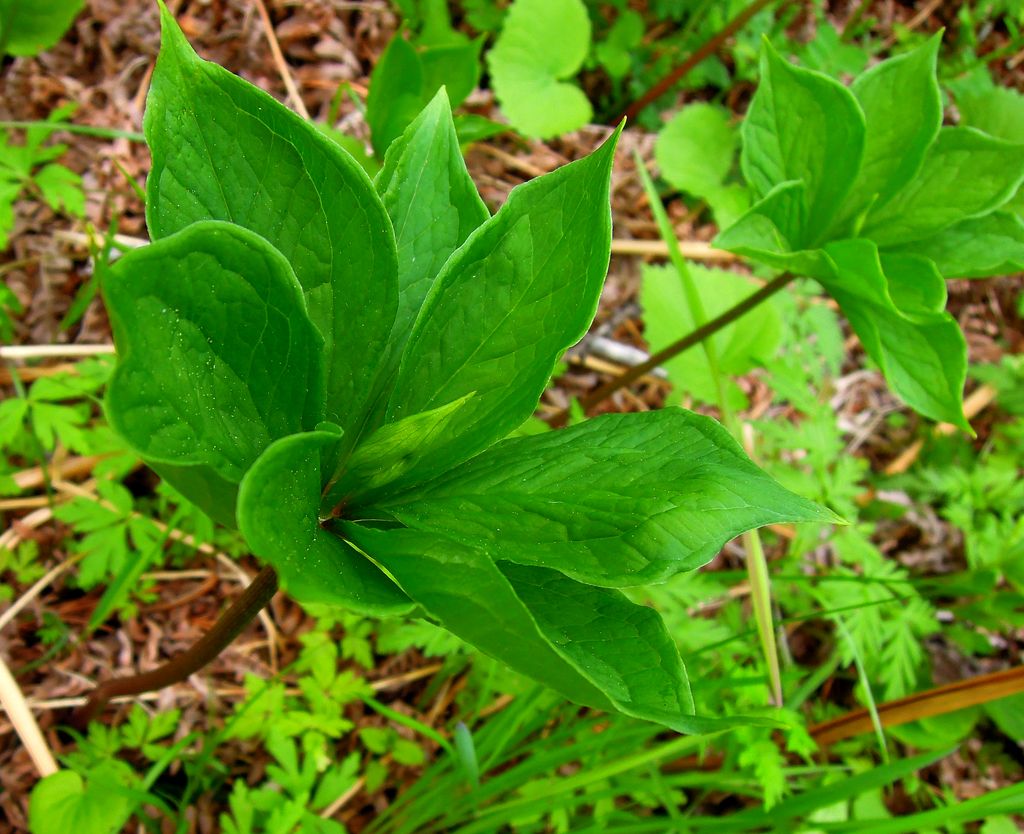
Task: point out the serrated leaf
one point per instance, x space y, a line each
740 346
976 248
625 661
433 205
619 500
217 355
61 188
966 174
542 43
696 149
27 27
225 150
902 108
922 354
807 127
278 513
522 289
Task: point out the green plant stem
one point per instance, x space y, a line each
231 623
70 127
559 418
757 565
705 50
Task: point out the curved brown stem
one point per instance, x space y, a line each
231 623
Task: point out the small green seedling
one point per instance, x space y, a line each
331 364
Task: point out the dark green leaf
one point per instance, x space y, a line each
225 150
619 500
966 174
278 512
922 354
432 202
522 289
217 355
802 126
977 248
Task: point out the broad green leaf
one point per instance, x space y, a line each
740 346
433 205
923 355
589 644
225 150
63 802
454 66
396 93
770 231
966 174
542 43
619 500
802 126
977 248
902 107
217 355
278 512
625 35
390 452
519 291
696 149
27 27
998 112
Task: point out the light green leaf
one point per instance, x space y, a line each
61 188
542 43
278 512
740 346
769 232
225 150
622 39
63 803
217 355
619 500
923 355
433 205
998 112
902 107
27 27
966 174
977 248
391 452
522 289
696 149
590 644
802 126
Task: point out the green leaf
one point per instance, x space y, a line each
902 108
522 289
922 354
27 27
976 248
433 205
390 453
61 188
278 512
770 230
740 346
62 802
396 93
217 355
619 500
591 645
542 43
225 150
998 112
454 66
966 174
696 149
802 126
625 35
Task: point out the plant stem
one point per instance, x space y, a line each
231 623
706 49
559 418
757 565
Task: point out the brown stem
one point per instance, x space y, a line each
231 623
705 50
695 337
